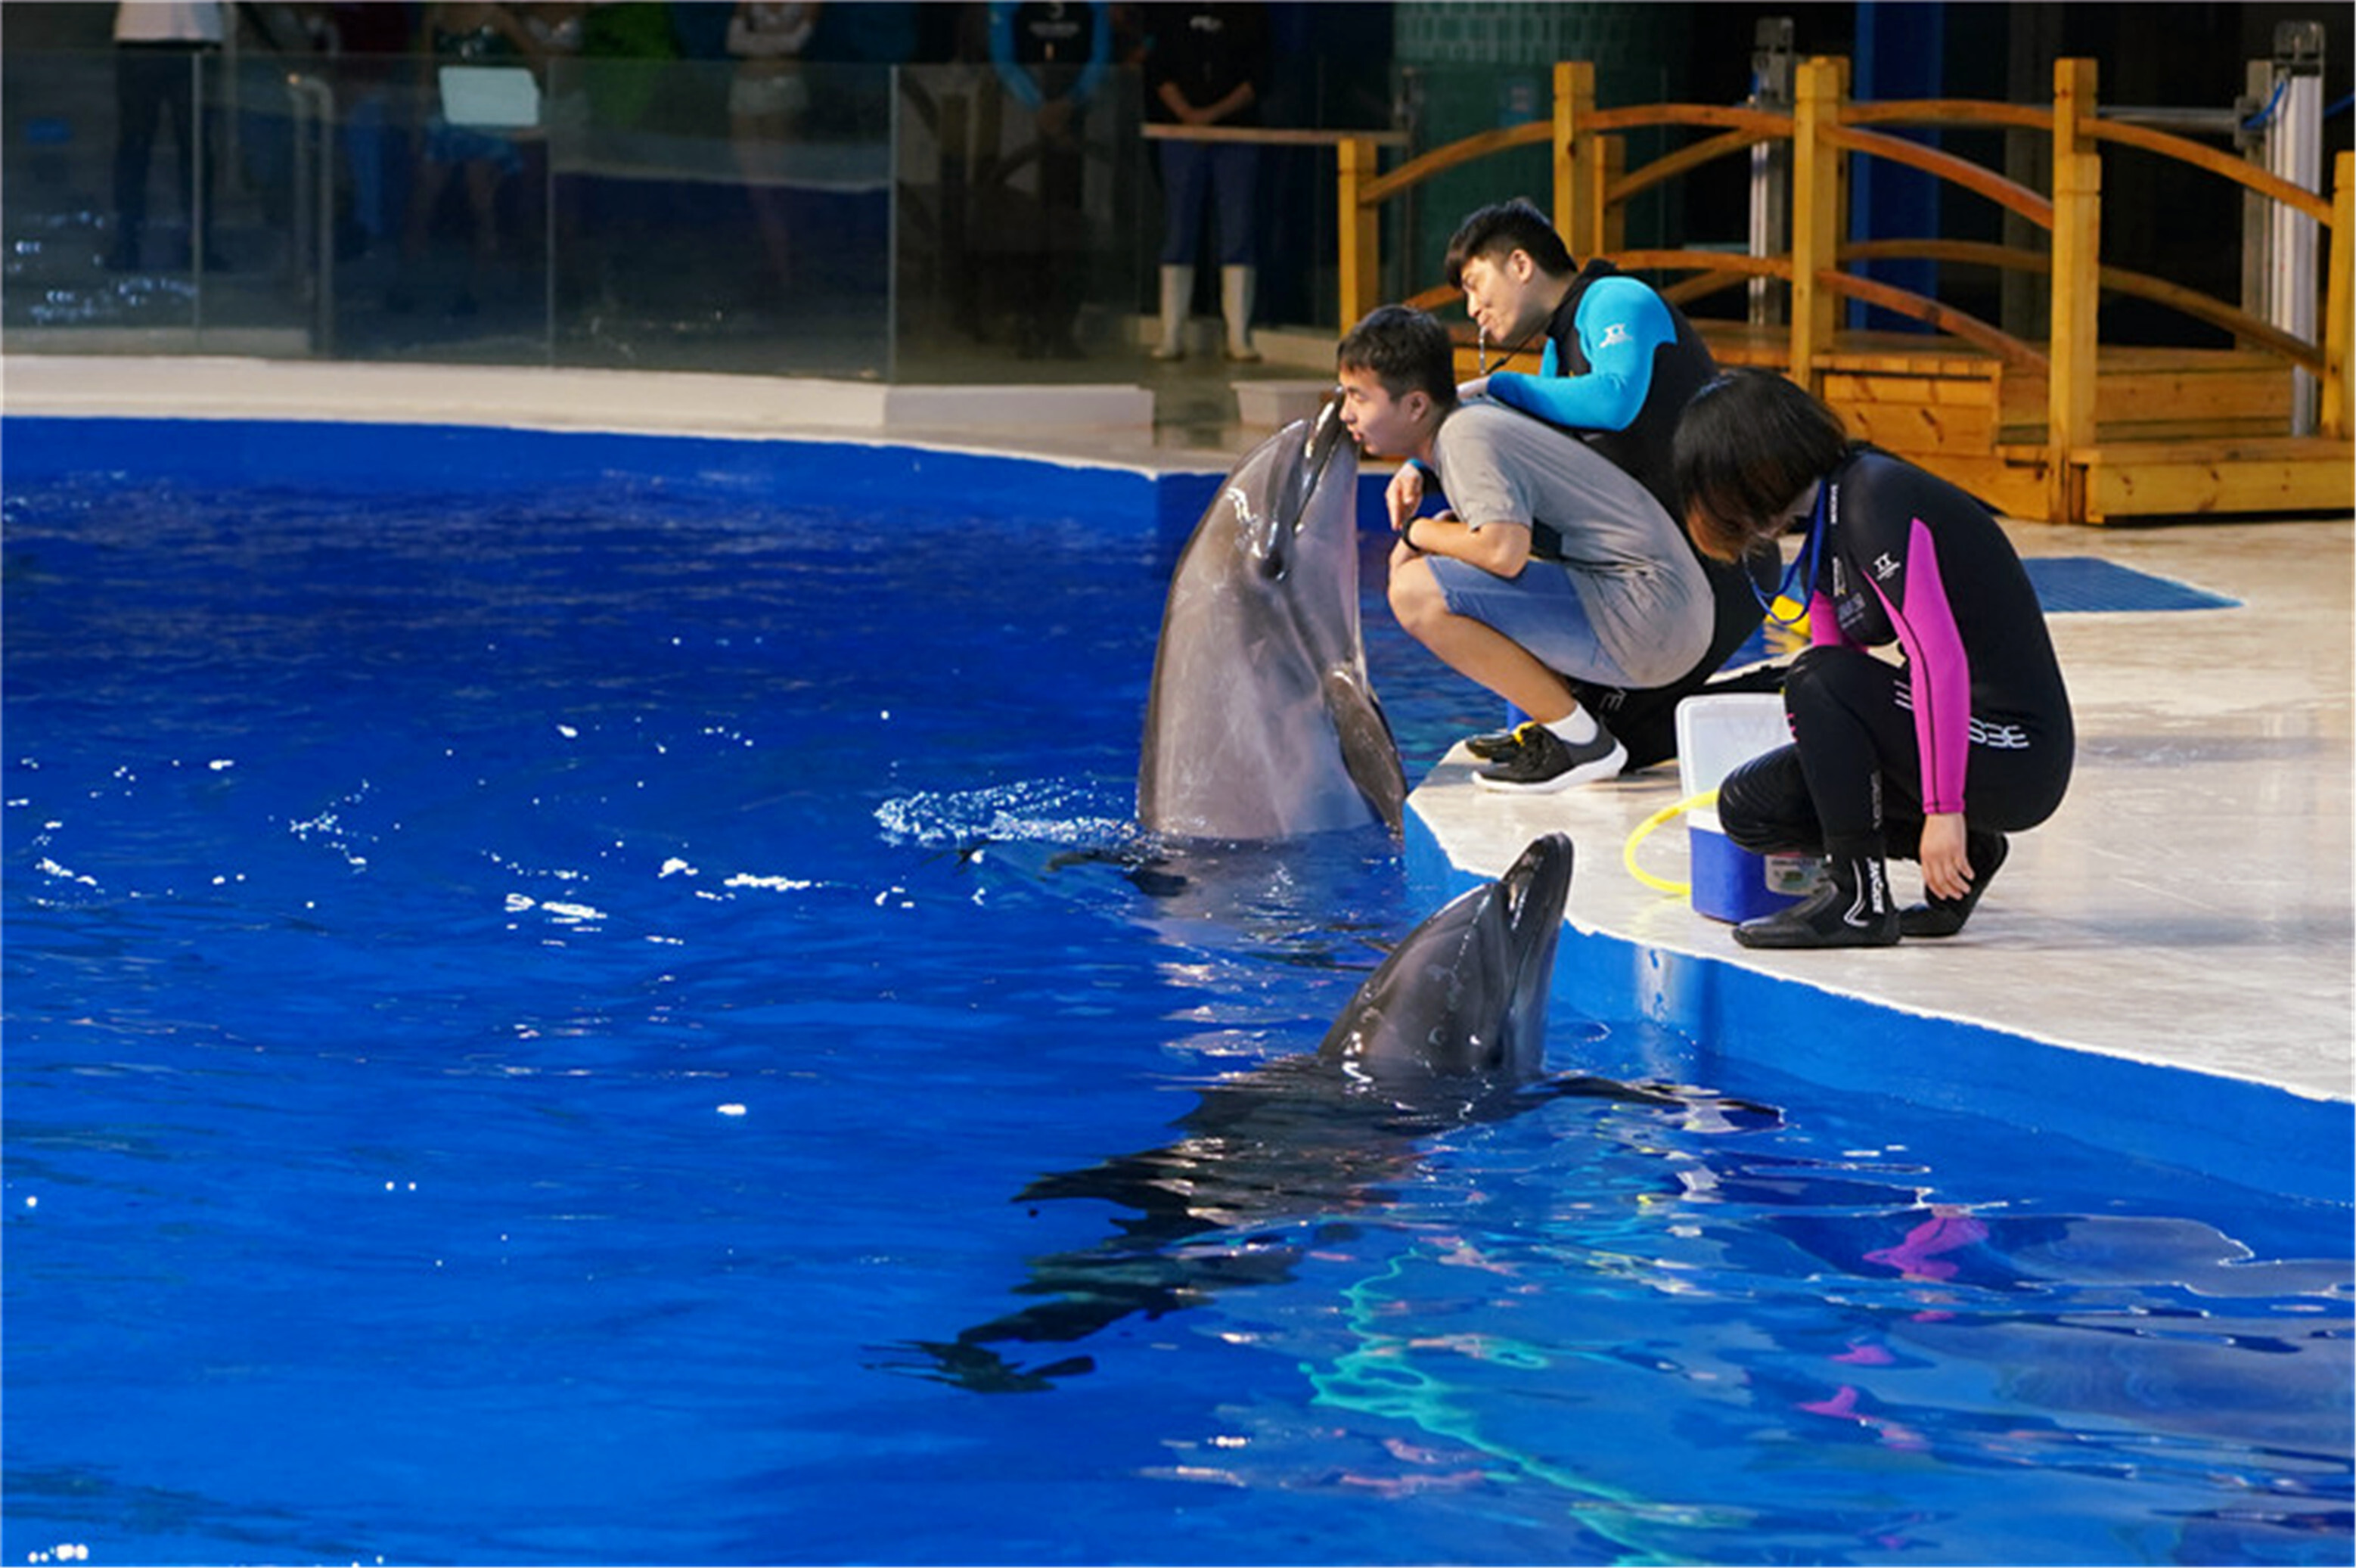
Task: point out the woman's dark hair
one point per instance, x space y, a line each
1746 444
1406 349
1495 232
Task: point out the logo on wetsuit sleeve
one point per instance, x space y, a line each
1615 334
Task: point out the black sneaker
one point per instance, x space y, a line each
1496 745
1543 762
1937 916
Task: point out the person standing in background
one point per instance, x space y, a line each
1051 56
154 81
766 99
1206 64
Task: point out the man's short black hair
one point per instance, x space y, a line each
1406 349
1495 232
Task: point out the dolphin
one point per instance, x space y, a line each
1464 996
1448 1031
1261 722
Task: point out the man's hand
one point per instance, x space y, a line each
1403 495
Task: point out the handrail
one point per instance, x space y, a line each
1440 160
2118 280
2007 194
2225 165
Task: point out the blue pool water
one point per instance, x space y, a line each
535 1020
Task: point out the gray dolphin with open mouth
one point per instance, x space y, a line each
1261 722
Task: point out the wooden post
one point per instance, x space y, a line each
2073 350
1610 223
1819 211
2333 415
1574 176
1361 231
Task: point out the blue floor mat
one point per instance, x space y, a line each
2065 583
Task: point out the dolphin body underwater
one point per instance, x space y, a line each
1261 722
1449 1031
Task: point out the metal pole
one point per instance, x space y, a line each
199 214
1771 163
2294 148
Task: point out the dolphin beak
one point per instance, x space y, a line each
1538 884
1327 435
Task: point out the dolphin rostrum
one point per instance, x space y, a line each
1448 1032
1261 722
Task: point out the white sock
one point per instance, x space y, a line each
1577 727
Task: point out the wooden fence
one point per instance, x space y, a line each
2069 429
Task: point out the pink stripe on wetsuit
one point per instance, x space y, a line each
1937 669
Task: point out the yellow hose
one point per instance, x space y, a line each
1645 829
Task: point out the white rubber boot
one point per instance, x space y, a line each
1177 299
1236 304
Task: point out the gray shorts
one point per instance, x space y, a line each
1539 608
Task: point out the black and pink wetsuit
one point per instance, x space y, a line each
1977 720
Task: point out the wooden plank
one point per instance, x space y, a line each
1918 428
1953 392
2156 485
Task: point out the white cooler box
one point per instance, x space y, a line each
1716 735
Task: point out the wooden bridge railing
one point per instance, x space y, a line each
1591 186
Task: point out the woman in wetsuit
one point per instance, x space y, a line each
1932 760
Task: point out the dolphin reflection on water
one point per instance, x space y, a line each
1449 1031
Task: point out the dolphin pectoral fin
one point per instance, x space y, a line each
1369 754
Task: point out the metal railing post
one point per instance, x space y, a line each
2294 151
314 126
1771 163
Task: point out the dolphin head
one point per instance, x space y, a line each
1464 996
1273 522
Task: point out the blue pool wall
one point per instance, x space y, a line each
2254 1136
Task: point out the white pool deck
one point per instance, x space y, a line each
2189 905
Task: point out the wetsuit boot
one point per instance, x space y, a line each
1937 916
1852 909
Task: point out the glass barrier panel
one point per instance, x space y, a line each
1019 231
100 165
720 216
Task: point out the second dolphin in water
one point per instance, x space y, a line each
1449 1031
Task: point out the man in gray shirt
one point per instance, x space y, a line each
1550 561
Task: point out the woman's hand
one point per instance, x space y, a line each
1946 867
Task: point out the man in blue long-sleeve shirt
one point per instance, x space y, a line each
1619 365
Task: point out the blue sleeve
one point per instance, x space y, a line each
1002 55
1092 75
1621 324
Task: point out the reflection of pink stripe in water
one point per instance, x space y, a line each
1916 1256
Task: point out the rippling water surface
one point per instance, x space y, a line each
626 1026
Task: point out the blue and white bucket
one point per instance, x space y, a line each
1715 736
